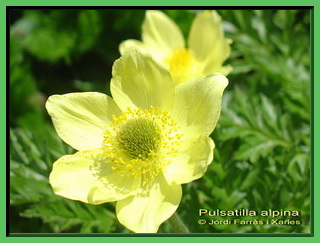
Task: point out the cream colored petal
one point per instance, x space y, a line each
144 212
206 39
191 161
198 103
225 70
80 118
138 81
160 32
156 53
129 44
88 177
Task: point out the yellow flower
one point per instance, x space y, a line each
139 147
208 48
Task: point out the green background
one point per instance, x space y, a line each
83 85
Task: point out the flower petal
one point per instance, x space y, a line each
87 176
124 45
138 81
80 118
155 52
206 39
144 212
160 32
192 161
198 103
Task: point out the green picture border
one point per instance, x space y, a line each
79 238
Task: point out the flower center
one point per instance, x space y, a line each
138 137
183 65
141 142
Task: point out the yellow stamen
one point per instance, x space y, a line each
183 65
140 142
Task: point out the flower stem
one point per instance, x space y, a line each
177 224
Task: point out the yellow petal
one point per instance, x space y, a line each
160 32
80 118
138 81
206 39
191 162
88 177
152 205
198 103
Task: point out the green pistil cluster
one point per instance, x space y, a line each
138 138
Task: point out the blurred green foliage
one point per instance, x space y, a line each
262 155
